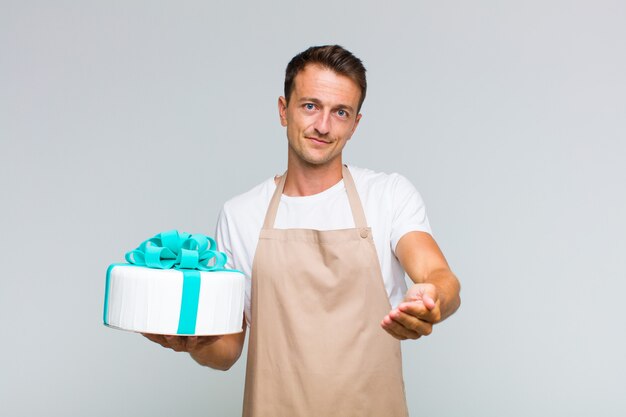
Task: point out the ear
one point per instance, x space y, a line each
356 123
282 110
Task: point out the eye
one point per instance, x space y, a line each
309 106
342 113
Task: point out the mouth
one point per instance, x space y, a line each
318 140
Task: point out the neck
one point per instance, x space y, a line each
306 179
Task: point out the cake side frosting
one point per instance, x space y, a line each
152 300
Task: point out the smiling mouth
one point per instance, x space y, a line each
317 140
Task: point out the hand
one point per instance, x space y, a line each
189 344
415 316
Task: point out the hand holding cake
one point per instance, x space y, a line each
217 352
182 343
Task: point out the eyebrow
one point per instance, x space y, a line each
317 101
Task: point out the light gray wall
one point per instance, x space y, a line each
120 119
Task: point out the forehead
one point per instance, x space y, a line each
325 84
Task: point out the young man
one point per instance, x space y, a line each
326 247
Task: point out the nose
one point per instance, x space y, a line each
322 123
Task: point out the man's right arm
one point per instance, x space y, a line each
217 352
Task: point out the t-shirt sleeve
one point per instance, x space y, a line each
409 211
222 238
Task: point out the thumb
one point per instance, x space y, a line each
428 301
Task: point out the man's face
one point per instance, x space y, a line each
321 115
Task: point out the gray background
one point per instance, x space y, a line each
120 119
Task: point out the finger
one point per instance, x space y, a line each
156 338
177 343
202 341
401 333
419 310
398 330
429 302
394 335
191 342
386 328
421 327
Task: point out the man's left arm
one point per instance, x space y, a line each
432 298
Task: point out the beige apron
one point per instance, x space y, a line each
316 346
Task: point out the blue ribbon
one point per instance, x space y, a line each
188 253
179 250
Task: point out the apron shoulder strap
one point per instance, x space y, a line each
353 197
270 215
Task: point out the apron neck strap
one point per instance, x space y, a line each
353 198
270 215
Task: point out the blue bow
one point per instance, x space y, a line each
178 250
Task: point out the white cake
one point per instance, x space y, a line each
149 300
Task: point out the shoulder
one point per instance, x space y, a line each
391 202
252 199
370 181
242 216
246 211
391 196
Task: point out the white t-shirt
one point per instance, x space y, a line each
392 206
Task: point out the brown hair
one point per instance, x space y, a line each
333 57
